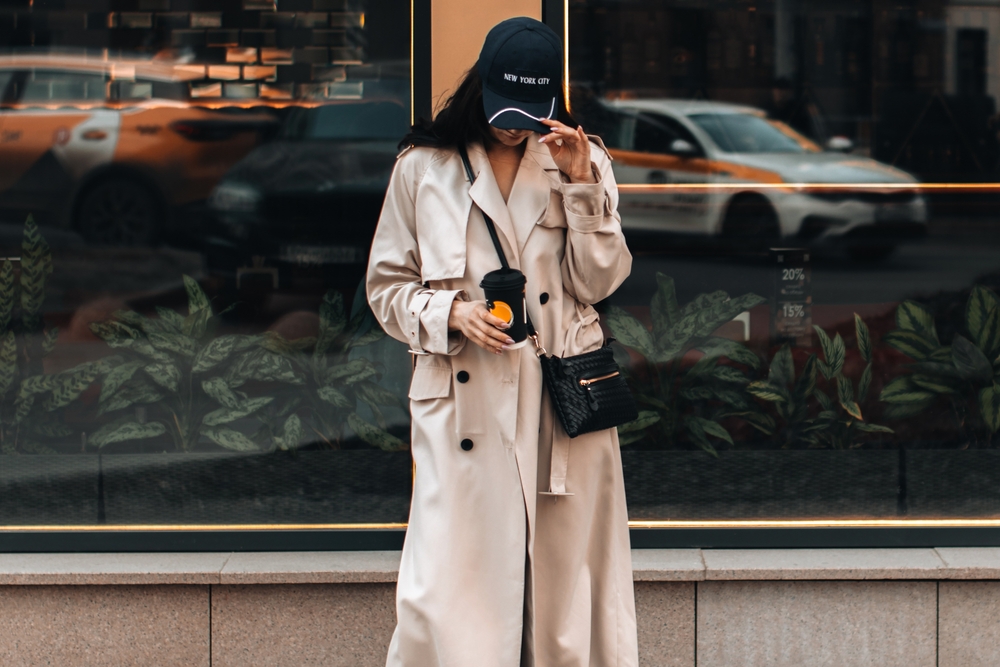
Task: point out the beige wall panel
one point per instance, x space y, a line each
665 618
104 626
969 624
311 625
806 623
458 28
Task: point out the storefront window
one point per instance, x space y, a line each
812 324
188 190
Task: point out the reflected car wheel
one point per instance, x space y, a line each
751 224
119 212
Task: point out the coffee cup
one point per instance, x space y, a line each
504 290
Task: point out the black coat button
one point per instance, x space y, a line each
544 298
467 444
462 377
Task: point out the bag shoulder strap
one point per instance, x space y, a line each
489 221
496 241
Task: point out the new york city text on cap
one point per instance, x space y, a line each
521 68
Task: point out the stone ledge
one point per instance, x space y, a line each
346 567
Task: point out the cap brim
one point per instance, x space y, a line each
507 114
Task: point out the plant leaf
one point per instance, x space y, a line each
68 385
8 361
971 363
697 433
989 407
806 383
982 317
219 349
911 344
291 433
332 321
664 309
170 319
123 431
782 371
230 439
729 374
379 395
845 396
937 386
118 376
228 415
759 420
911 316
645 419
133 392
36 265
630 332
901 390
178 343
864 338
716 347
218 389
197 301
6 294
839 350
872 428
864 383
167 376
906 410
49 340
374 435
335 397
823 399
768 392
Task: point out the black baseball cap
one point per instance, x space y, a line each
521 68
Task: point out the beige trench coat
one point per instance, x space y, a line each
495 573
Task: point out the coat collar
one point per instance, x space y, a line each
529 197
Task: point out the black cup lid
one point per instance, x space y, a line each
503 279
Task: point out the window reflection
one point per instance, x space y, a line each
182 340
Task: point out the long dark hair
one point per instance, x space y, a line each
463 119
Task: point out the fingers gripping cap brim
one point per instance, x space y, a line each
507 114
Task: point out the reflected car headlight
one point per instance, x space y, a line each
234 197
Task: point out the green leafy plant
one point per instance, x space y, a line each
32 402
676 400
188 382
807 415
335 382
965 374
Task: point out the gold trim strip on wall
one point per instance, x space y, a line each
641 524
639 188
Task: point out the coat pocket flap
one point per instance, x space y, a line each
430 383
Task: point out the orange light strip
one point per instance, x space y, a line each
642 188
566 54
755 523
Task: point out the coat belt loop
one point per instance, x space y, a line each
559 465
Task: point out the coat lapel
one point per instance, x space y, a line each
486 194
530 196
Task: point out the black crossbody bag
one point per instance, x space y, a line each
588 390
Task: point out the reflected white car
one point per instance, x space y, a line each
733 173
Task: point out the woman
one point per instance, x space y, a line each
517 551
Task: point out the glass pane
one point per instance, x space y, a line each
187 198
809 323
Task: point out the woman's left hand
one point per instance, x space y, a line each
571 153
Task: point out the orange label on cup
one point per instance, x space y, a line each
503 311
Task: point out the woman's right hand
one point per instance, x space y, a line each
474 320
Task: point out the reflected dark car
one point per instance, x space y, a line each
726 171
112 148
312 197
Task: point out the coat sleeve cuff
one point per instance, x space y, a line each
585 204
434 335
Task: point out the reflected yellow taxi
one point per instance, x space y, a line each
726 171
112 148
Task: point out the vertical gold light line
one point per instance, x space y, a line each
413 102
566 53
